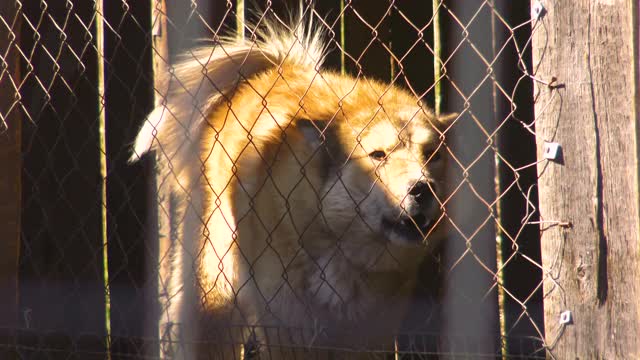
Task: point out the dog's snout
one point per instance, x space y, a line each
421 192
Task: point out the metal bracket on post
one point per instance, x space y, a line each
553 151
565 318
538 10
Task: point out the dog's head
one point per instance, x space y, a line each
385 159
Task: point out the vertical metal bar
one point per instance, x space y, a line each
470 299
160 50
437 61
342 39
159 224
498 208
240 21
100 46
11 160
392 63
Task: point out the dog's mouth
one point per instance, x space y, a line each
408 229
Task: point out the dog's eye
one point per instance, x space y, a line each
433 156
378 155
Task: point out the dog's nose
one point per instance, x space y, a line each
421 192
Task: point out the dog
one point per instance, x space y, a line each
306 198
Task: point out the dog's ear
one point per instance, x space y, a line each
314 132
321 138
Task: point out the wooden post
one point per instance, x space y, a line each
159 196
585 56
10 163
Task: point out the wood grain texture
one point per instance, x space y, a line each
591 268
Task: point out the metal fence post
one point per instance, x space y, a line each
11 160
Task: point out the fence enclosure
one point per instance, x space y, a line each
83 256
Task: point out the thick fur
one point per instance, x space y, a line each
296 190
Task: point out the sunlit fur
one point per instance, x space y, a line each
270 158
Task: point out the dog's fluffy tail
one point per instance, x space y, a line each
208 76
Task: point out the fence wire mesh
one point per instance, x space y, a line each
290 209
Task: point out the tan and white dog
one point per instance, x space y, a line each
307 198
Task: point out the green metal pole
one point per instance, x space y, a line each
100 45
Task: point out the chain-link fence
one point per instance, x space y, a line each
382 204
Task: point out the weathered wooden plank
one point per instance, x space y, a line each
587 51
